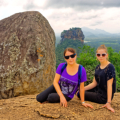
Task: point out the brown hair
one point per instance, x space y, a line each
70 50
102 47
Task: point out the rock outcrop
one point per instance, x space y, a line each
27 54
74 33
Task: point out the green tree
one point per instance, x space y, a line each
114 58
88 60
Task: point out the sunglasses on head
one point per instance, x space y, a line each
103 55
72 56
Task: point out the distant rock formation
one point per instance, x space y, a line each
27 54
74 33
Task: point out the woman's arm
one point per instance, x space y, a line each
56 85
82 91
109 95
91 85
82 96
63 101
109 90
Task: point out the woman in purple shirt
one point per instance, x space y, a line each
65 83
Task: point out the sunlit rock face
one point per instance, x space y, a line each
27 54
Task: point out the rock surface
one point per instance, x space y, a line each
27 108
27 54
74 33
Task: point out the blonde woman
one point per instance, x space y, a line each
103 87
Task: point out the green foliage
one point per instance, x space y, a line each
118 81
87 56
57 41
114 58
75 28
88 60
113 42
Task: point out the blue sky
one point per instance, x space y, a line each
65 14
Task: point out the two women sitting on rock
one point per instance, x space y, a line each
70 76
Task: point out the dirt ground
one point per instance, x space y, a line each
27 108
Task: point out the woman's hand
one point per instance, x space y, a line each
63 101
108 106
87 105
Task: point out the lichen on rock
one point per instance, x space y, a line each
27 54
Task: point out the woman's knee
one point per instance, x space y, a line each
50 98
53 98
39 98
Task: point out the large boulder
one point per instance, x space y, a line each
27 54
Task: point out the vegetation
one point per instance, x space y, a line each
64 31
109 42
115 59
57 41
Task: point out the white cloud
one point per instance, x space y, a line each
9 8
102 18
40 3
67 17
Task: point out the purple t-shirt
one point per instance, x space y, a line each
69 83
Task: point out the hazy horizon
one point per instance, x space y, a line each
57 34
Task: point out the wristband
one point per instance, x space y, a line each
109 102
83 102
